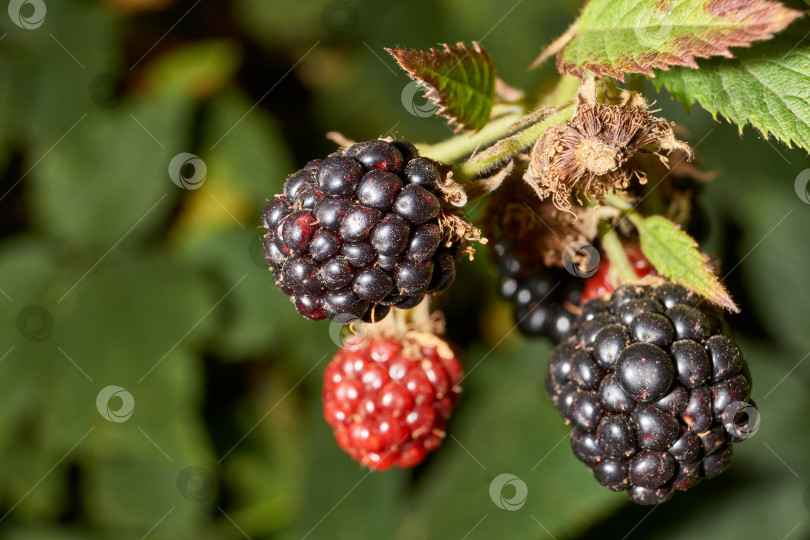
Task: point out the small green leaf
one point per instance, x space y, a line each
767 85
674 255
459 80
614 37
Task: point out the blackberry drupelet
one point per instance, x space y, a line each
655 389
358 232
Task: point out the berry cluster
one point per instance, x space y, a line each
544 297
358 232
654 389
388 399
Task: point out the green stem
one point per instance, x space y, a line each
625 206
510 146
621 269
565 89
611 90
455 148
616 201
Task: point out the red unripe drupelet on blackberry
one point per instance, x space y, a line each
599 284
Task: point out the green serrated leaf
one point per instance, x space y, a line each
767 85
674 255
614 37
459 80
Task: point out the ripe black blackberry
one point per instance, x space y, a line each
655 389
545 297
358 232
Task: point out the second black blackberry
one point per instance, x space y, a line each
655 390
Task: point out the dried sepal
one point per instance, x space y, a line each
341 140
505 93
540 230
457 230
451 193
485 186
593 152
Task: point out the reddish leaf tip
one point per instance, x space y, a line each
710 29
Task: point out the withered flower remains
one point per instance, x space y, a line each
540 231
593 151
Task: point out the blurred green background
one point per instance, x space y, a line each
112 275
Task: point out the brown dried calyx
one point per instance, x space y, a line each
457 230
593 152
538 231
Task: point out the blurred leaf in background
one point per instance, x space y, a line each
111 274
